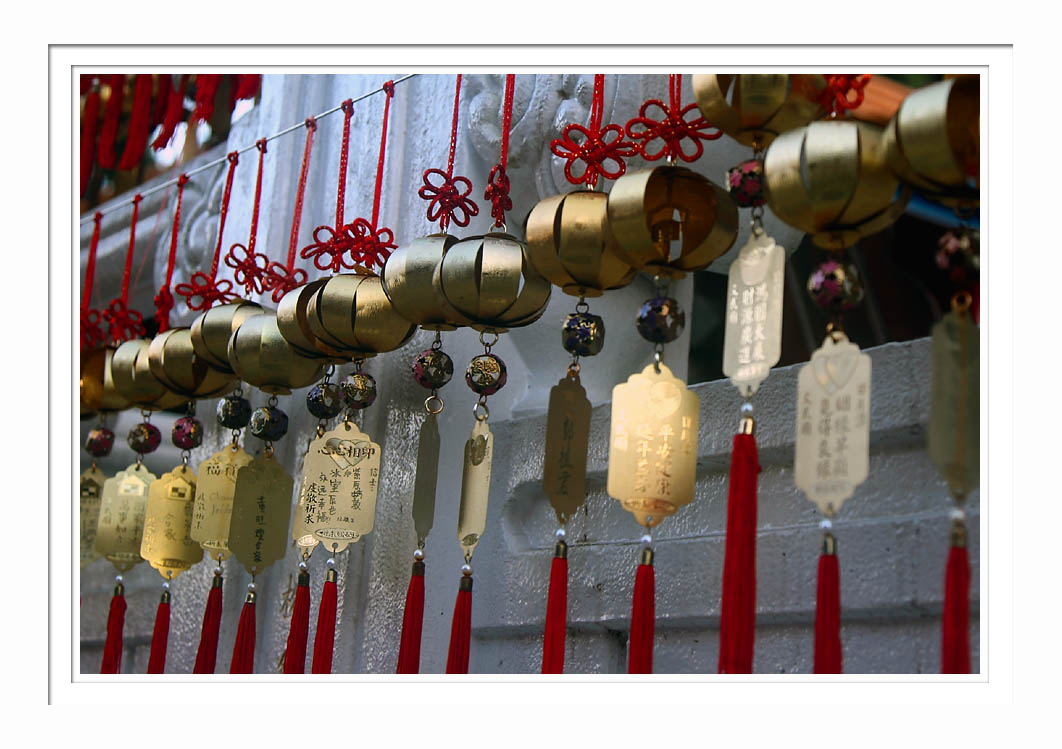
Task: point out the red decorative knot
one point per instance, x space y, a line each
202 291
672 127
279 279
123 324
369 247
835 97
164 304
448 200
249 266
328 249
601 150
91 329
497 193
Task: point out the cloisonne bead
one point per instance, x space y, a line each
835 286
144 438
187 433
325 400
486 374
269 423
660 320
99 442
359 390
958 253
583 334
432 369
745 184
234 411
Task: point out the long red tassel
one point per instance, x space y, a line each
207 655
737 621
90 120
412 622
556 612
955 627
139 123
243 648
643 617
112 647
247 86
174 113
295 653
109 132
160 637
206 88
828 611
162 100
461 629
325 637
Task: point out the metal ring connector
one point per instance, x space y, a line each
433 404
480 411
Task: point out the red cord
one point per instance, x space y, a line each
603 156
280 278
202 290
671 128
834 98
91 330
449 201
507 118
331 243
249 270
389 90
125 324
453 129
498 185
341 189
164 299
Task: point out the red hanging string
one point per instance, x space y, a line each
643 620
160 636
331 243
112 646
556 613
162 100
448 200
174 112
280 278
955 624
202 290
123 323
372 244
139 124
670 127
164 299
207 654
834 98
206 89
412 623
90 121
92 334
250 266
828 613
111 115
498 185
298 633
602 151
325 637
247 86
243 649
461 629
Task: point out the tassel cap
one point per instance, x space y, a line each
829 544
560 551
958 534
331 576
418 568
251 596
466 583
647 556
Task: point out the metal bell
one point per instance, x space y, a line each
755 108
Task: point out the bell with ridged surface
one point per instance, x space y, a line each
755 108
134 380
261 356
412 280
351 314
294 323
211 330
97 388
173 360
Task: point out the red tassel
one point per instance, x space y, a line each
412 623
643 618
112 647
162 100
955 626
325 637
243 649
111 115
206 88
295 653
160 636
247 86
461 629
89 123
207 655
174 114
139 124
556 612
828 611
737 621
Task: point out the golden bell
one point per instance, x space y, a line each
759 106
212 329
260 356
412 280
294 323
642 210
933 141
98 392
134 380
172 359
570 242
830 179
490 280
351 314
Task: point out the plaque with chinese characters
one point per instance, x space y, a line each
833 423
475 487
122 508
567 439
213 500
652 459
954 409
91 495
753 333
167 544
427 478
337 495
261 506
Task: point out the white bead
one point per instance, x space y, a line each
746 408
250 586
165 586
958 514
418 555
118 578
826 524
561 534
302 566
647 539
466 569
330 563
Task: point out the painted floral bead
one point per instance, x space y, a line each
269 423
99 442
835 286
432 368
486 374
144 438
359 390
661 320
325 400
187 433
234 411
745 183
583 334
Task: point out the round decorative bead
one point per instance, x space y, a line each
330 563
647 540
466 570
958 253
250 586
144 438
835 286
269 423
99 442
302 566
958 514
418 555
745 183
165 586
561 533
583 334
826 524
359 390
746 408
432 368
486 374
187 433
234 411
325 400
118 578
661 320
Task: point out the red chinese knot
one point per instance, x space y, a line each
672 127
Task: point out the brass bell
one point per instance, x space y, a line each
755 108
212 329
294 323
570 242
134 380
97 388
351 314
260 356
933 141
173 361
649 209
490 280
412 280
830 179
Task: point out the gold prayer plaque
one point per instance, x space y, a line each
652 459
91 496
427 478
337 494
167 544
567 440
753 334
475 487
833 423
122 516
260 506
213 500
954 409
